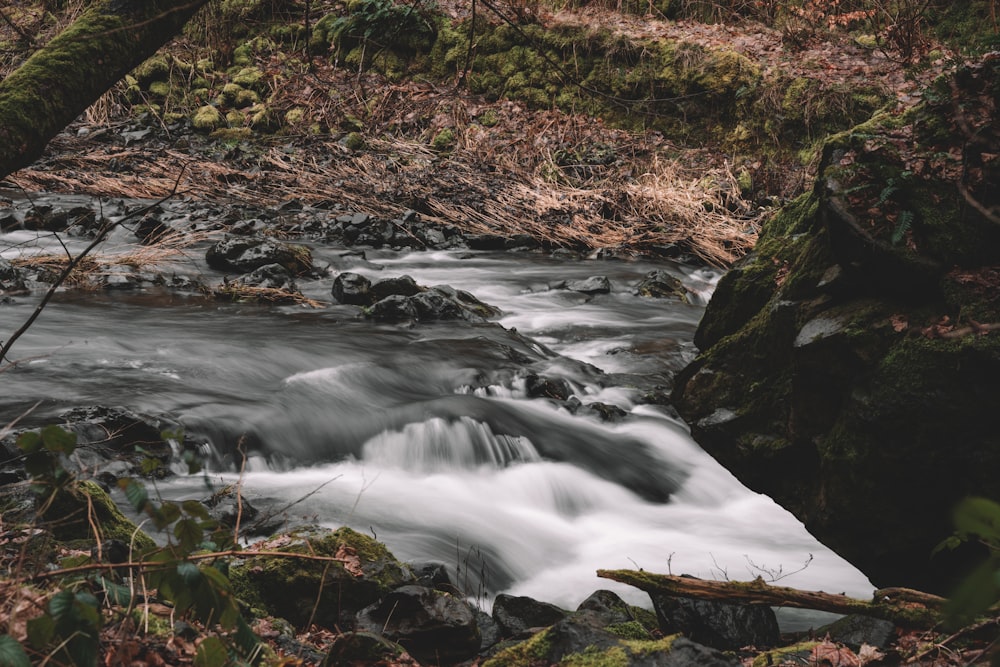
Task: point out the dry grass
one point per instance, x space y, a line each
235 291
91 271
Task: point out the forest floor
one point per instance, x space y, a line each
654 195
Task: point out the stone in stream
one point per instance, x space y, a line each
352 288
591 285
517 614
242 255
273 276
660 284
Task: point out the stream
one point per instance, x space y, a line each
425 436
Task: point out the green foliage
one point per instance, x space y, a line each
12 653
384 23
976 519
69 629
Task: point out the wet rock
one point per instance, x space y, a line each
486 242
489 631
112 431
468 302
548 387
9 222
397 286
433 575
364 573
606 412
120 278
434 627
660 284
273 276
11 279
716 624
352 288
591 285
242 255
150 229
517 614
393 308
855 630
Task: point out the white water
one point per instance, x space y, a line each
424 436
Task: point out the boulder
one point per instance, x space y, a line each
433 626
327 593
352 288
720 625
363 648
397 286
272 276
113 432
244 254
517 614
11 279
849 366
582 639
660 284
856 630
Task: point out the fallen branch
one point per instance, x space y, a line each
904 607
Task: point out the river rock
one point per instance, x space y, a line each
855 630
242 255
591 285
861 398
272 276
118 433
660 284
150 229
517 614
433 626
395 308
608 607
328 593
716 624
352 288
396 286
11 279
539 386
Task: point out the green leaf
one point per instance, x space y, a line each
977 593
247 641
150 465
189 573
12 653
195 508
979 516
61 604
169 512
115 593
189 534
211 653
29 442
41 631
135 492
58 439
38 463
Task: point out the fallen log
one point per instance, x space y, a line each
902 606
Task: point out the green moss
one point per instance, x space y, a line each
528 652
156 68
443 140
68 513
206 118
235 121
629 630
355 141
251 78
229 93
295 116
614 656
780 656
159 89
242 55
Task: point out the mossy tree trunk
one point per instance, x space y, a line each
59 82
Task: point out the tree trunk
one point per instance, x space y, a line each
67 75
901 606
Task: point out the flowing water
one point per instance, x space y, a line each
424 436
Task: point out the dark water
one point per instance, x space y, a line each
424 436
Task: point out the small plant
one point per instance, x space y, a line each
976 520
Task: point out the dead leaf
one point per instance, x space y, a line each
899 323
349 557
828 653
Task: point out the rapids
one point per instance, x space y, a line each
425 436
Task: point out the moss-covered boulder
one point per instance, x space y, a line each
73 513
850 365
353 572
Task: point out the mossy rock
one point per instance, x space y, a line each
251 78
156 68
67 517
328 593
207 118
836 374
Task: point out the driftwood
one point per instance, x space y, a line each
902 606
